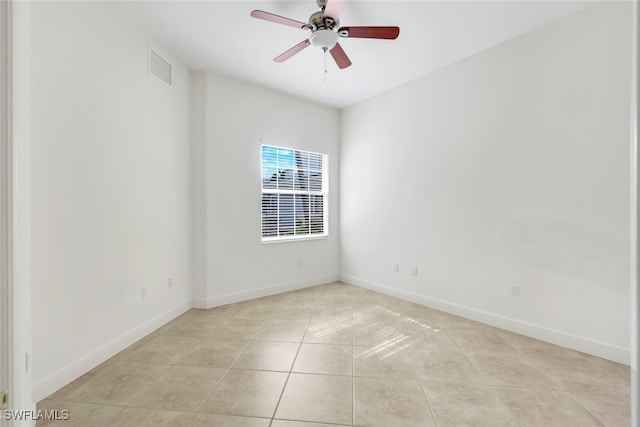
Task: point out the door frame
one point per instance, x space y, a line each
5 206
635 220
15 204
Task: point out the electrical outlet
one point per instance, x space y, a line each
515 290
414 271
170 283
396 268
144 293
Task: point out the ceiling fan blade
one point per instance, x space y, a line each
389 33
333 9
340 57
260 14
288 54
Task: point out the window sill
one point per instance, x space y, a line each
270 240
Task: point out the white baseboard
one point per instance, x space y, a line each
79 367
231 298
586 345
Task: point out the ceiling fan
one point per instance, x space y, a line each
325 31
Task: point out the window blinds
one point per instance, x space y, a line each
294 193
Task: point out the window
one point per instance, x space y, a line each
294 194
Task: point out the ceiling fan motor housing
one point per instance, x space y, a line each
318 21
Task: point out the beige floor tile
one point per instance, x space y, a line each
252 311
236 328
219 327
450 321
330 333
378 335
268 356
533 347
78 414
440 320
119 384
196 328
280 330
432 318
443 365
139 417
317 398
481 341
316 329
207 314
329 314
292 314
272 300
336 300
509 371
611 410
403 306
214 353
432 339
324 359
68 389
466 405
383 362
163 349
389 402
182 388
585 374
376 316
544 408
136 346
214 420
246 393
300 299
411 326
287 423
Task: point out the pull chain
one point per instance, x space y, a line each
325 64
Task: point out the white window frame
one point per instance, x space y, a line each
324 193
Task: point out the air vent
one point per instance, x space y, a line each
159 67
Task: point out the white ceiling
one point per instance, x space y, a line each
221 36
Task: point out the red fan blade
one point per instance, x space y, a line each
340 57
288 54
333 9
278 19
389 33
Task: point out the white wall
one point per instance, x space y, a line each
239 118
509 167
111 189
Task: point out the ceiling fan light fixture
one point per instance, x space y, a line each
324 39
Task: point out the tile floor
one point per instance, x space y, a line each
341 355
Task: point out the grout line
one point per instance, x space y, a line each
431 411
424 393
225 374
493 390
353 373
585 408
290 370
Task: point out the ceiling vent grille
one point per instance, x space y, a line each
159 67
